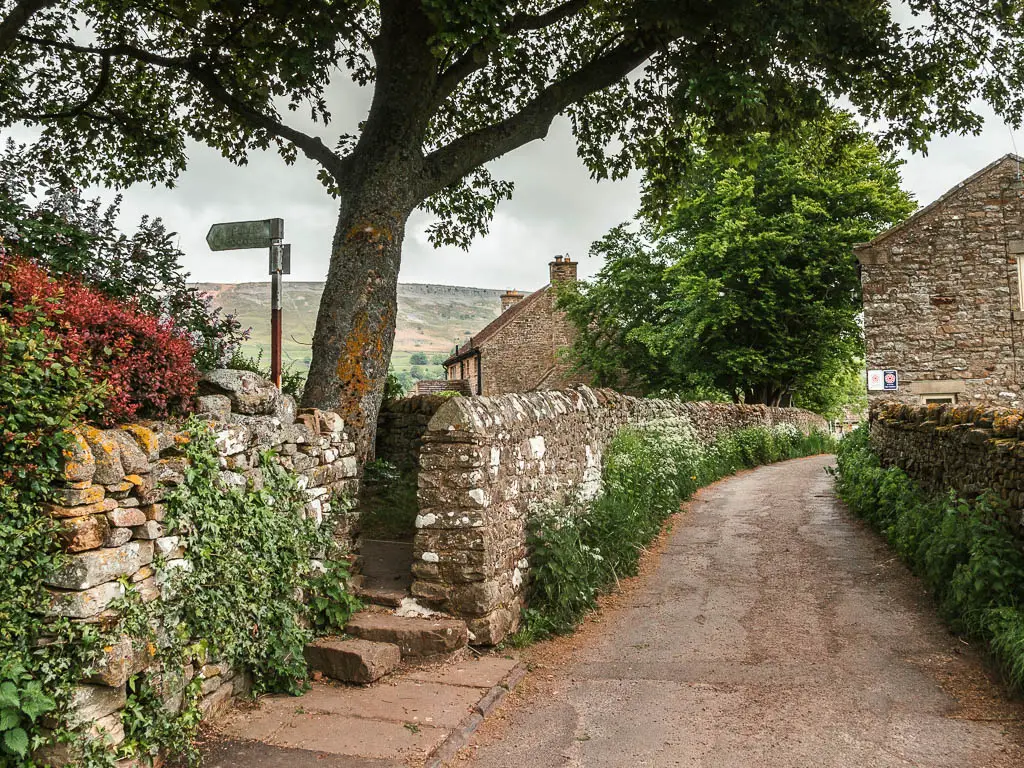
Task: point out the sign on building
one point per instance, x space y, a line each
883 380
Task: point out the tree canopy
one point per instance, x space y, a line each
115 88
750 284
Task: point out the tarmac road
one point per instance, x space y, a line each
774 629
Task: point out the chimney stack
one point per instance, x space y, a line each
563 270
509 299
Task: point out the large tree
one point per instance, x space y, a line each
758 293
117 86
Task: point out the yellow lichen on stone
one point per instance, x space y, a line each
144 437
1006 425
79 464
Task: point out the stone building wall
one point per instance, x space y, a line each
485 461
110 509
400 428
967 448
524 354
941 295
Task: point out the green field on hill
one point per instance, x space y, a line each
432 319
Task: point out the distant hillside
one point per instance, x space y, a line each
432 319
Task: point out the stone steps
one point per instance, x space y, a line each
383 596
416 637
377 642
352 660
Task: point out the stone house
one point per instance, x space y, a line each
944 294
519 351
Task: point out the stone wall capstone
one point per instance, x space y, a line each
969 449
485 461
110 507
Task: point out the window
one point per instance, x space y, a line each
939 399
1020 281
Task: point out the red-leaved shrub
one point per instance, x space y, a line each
146 362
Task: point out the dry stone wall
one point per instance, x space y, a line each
969 449
400 428
111 512
485 461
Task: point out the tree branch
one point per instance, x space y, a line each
524 22
446 165
83 107
311 146
121 49
476 55
18 18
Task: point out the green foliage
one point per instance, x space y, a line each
251 556
42 394
836 389
78 239
418 358
330 600
22 703
965 551
292 379
580 550
748 284
397 385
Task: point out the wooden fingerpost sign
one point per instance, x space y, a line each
263 233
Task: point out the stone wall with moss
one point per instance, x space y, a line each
110 511
486 461
969 449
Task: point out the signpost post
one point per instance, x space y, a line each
263 233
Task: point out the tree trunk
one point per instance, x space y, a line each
355 327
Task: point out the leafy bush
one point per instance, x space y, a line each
145 362
966 551
258 550
252 558
579 550
78 239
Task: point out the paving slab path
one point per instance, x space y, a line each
774 630
406 719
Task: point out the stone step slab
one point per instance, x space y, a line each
388 598
416 637
352 660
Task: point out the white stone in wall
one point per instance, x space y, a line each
495 461
349 466
590 485
425 521
537 446
480 496
430 557
517 578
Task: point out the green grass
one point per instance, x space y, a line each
431 319
966 551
